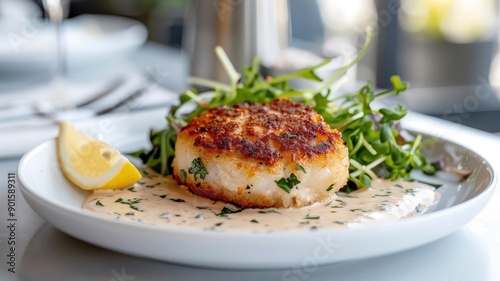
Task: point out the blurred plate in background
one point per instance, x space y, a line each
27 44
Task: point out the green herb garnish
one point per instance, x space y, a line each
300 167
183 175
178 200
330 187
198 169
269 212
309 217
287 183
372 135
130 202
98 203
380 195
228 210
435 185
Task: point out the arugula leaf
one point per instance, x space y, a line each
392 114
160 157
397 84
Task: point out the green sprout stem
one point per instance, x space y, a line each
341 71
366 168
234 76
369 147
208 83
297 74
358 144
361 169
195 97
416 144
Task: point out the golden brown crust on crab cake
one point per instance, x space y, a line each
246 149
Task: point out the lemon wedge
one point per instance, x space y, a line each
92 164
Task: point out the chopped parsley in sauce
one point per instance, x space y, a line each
171 204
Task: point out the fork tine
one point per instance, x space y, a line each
110 88
40 111
135 95
148 81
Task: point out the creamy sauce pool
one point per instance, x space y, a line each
159 200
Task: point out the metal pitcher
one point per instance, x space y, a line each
244 28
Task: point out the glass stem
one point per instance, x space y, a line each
56 15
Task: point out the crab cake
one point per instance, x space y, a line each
278 154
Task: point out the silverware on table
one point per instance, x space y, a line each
54 118
47 110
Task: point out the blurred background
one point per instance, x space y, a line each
445 49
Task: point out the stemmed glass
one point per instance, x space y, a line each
56 9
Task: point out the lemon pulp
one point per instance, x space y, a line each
92 164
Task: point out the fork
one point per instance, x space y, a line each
54 118
45 110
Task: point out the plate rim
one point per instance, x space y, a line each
22 163
470 208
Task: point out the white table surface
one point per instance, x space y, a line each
472 253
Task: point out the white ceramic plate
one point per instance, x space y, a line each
56 200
